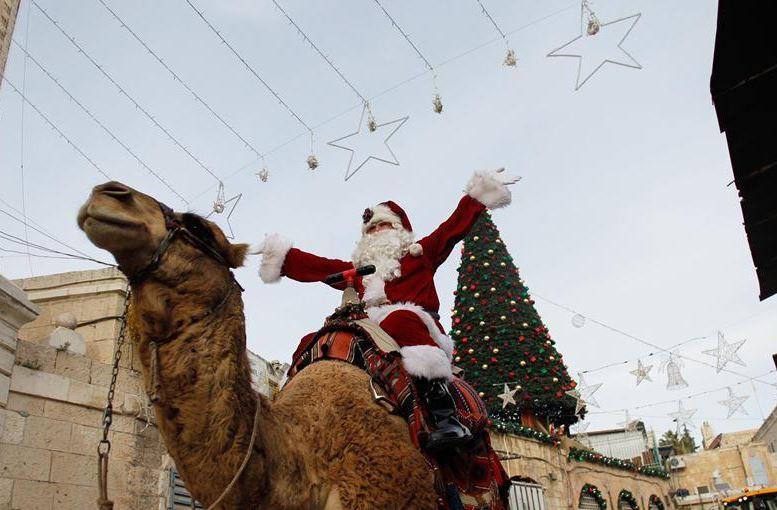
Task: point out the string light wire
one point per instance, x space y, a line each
248 66
22 136
406 36
97 121
124 92
492 20
180 80
32 225
55 128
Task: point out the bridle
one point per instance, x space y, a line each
174 228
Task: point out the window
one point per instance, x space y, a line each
591 498
702 490
180 498
527 496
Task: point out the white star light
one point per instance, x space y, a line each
220 205
642 372
367 144
508 397
593 51
726 352
587 390
682 416
733 403
579 402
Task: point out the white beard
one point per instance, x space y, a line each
383 249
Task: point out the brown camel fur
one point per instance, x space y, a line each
321 444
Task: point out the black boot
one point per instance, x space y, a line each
448 430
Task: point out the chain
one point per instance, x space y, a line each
104 446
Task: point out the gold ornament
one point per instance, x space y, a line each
482 323
503 317
490 252
476 238
525 324
457 359
484 366
470 350
496 350
486 264
519 387
512 303
555 379
522 363
486 338
477 294
552 358
481 394
471 308
471 257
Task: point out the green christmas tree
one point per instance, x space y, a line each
500 338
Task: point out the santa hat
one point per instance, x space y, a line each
389 212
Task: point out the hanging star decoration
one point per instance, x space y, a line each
358 158
595 46
682 416
733 403
642 372
508 396
725 352
587 390
220 205
581 432
579 402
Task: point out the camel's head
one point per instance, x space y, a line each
131 225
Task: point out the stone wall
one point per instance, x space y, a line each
563 479
15 311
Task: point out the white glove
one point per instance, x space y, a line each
490 187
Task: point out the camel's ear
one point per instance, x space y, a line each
237 254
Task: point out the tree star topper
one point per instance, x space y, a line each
508 396
357 161
642 372
588 38
726 352
733 403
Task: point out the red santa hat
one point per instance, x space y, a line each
389 212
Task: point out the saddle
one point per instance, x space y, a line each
469 477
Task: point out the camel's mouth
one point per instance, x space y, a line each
90 217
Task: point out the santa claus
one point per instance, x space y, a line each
400 295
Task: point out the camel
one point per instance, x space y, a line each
322 443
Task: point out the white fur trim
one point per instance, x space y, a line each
273 249
486 187
427 362
378 313
416 250
381 213
374 290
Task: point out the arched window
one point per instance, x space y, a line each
591 498
655 503
627 501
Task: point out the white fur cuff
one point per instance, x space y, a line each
487 187
426 361
273 249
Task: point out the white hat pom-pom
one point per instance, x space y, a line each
416 250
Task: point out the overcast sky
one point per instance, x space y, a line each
623 213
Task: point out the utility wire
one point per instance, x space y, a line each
124 92
20 241
249 67
321 53
645 342
180 80
99 123
22 136
55 128
40 230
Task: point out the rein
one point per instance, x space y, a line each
174 228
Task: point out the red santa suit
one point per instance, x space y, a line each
405 306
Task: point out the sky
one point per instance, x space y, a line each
624 213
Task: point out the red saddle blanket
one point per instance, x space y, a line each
467 478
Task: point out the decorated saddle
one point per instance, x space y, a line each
468 477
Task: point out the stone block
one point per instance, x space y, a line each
5 389
73 366
100 374
100 351
124 446
83 440
129 381
39 383
144 480
7 359
67 339
72 413
46 433
41 355
6 488
89 395
29 495
11 427
74 497
74 469
24 463
25 404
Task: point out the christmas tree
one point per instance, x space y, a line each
501 340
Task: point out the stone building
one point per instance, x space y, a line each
727 465
8 11
767 434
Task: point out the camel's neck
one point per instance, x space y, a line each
207 407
